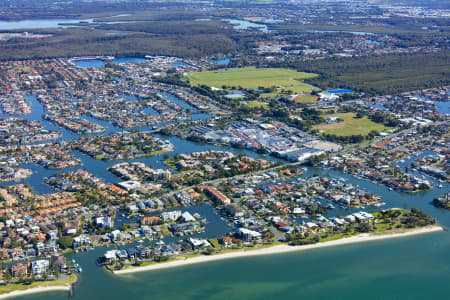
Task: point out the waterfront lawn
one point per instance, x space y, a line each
251 78
11 287
350 125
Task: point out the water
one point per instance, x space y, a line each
98 63
89 63
123 60
232 96
342 31
225 61
54 23
372 42
246 25
274 21
42 23
178 64
443 107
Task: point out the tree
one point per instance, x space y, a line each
8 275
364 227
66 242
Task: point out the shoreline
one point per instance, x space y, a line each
279 249
36 290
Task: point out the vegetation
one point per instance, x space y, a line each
383 74
11 287
385 221
252 78
349 125
137 39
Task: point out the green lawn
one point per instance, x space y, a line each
306 99
251 77
256 104
350 125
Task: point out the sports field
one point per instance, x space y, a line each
305 99
350 125
251 77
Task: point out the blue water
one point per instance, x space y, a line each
246 25
231 96
98 63
274 21
443 107
53 23
123 60
341 31
225 61
90 63
178 64
44 23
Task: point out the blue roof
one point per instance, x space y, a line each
339 91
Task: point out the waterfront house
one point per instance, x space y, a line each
60 262
19 269
40 266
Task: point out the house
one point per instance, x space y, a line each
171 215
60 262
40 266
225 240
150 220
198 243
234 210
187 217
248 235
19 269
81 240
51 231
104 222
110 255
217 195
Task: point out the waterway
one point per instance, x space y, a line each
98 167
55 23
98 63
246 25
225 61
39 23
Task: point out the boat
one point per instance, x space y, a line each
440 186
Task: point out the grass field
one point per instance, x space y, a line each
306 99
251 77
256 104
350 125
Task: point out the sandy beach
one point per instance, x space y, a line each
36 290
280 249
